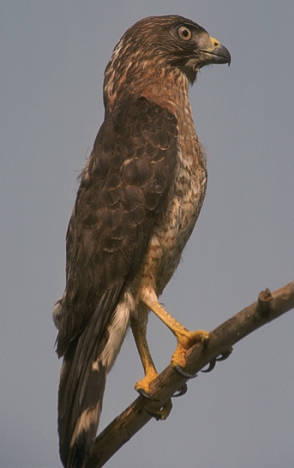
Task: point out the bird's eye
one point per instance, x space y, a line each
184 33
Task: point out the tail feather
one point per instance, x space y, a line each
80 403
81 388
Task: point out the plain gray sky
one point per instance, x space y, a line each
53 56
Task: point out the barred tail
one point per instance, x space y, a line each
86 362
79 404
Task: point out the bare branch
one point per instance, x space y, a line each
268 307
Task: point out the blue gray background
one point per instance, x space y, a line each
53 56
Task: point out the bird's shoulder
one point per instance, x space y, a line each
131 165
123 192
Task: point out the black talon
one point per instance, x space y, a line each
156 414
181 391
183 373
146 395
222 357
210 367
225 355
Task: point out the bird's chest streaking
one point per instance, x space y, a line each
186 196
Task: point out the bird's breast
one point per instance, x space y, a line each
183 210
186 196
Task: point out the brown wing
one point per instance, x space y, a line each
123 192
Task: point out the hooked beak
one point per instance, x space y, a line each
212 51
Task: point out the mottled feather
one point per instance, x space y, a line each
139 198
123 192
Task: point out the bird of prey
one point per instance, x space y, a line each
139 197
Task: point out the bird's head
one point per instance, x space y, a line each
157 44
189 47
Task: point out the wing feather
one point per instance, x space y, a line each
123 192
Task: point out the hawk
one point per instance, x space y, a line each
139 197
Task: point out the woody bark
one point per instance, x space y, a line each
268 307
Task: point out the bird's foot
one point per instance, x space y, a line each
181 391
143 388
143 385
162 413
184 373
225 354
186 339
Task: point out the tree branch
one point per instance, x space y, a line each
268 307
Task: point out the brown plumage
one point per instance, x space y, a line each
140 195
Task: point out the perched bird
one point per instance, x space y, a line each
139 198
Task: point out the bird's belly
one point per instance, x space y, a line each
172 233
172 240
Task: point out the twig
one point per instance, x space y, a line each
123 427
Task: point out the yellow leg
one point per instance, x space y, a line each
139 332
184 337
143 385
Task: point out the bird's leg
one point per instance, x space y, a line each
185 338
139 332
143 385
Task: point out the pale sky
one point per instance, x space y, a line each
53 56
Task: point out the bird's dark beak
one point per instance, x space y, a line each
212 51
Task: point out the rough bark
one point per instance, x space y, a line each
269 306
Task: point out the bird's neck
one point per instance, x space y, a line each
169 91
165 85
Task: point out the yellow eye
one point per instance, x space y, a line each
184 33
